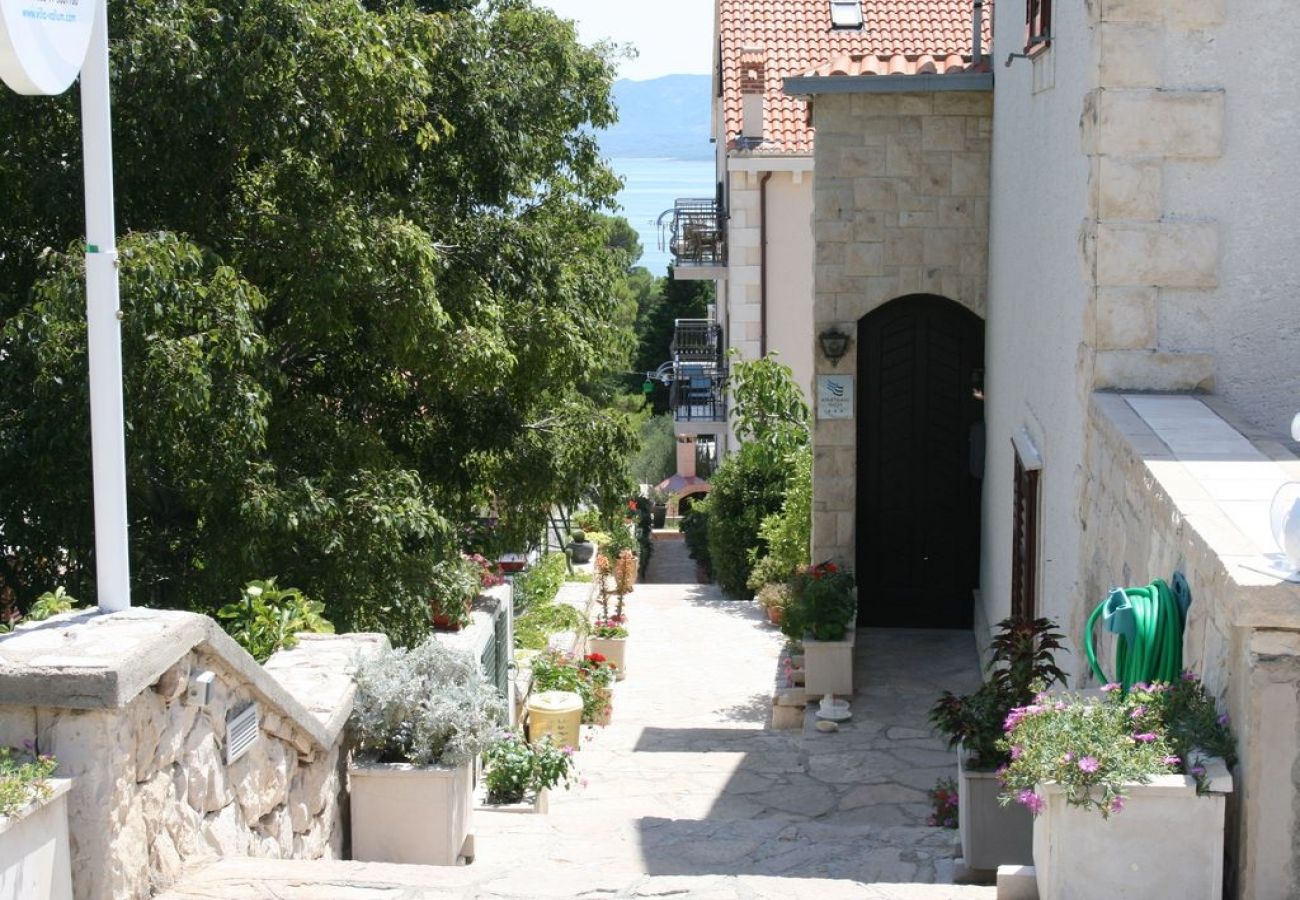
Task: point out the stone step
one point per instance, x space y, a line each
266 879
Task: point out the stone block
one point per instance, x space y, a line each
836 232
861 162
17 725
963 103
1143 122
936 173
915 104
261 778
1128 189
1126 318
208 788
918 219
1165 254
871 194
943 133
864 259
1153 371
902 157
1131 55
830 254
970 174
1017 883
940 248
905 247
870 225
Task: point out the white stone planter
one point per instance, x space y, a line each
614 650
34 860
992 835
828 665
1167 842
411 814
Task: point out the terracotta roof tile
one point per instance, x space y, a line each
794 37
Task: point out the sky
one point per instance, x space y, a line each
673 37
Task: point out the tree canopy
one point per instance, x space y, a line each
366 290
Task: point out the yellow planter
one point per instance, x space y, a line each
557 713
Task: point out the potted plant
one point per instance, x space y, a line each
609 632
1022 662
1129 789
600 674
519 773
775 597
581 550
420 718
456 582
659 508
34 850
821 616
557 671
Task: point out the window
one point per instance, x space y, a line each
846 13
1024 538
1038 24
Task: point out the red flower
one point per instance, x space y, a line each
831 567
596 657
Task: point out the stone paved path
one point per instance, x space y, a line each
687 793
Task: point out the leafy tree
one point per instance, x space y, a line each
368 291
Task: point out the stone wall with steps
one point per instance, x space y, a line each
109 696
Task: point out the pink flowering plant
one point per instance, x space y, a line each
1094 747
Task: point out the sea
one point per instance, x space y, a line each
650 186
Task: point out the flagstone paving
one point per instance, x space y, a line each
689 793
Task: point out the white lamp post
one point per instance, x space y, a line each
43 45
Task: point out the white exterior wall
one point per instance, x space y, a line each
1037 302
790 273
1251 321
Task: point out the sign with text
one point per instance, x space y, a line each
834 396
43 43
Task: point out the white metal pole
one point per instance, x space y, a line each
108 443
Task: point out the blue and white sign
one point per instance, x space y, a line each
834 396
43 43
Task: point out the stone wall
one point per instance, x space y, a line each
110 697
901 207
1148 516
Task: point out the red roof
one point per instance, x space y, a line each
794 37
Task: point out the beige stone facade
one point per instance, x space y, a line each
901 207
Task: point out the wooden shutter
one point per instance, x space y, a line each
1024 542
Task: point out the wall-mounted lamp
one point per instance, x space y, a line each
834 344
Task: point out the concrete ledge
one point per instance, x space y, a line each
1017 883
94 660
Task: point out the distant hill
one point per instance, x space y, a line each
662 117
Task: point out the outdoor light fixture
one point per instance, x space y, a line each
834 344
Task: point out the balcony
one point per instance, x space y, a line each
697 341
699 372
694 231
698 394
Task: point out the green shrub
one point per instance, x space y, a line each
534 628
787 535
23 778
516 768
695 530
268 618
823 604
748 487
539 583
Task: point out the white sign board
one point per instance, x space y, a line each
43 43
834 396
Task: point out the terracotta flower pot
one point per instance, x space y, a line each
776 614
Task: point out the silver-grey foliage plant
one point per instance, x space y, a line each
427 705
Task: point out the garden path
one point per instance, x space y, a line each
688 793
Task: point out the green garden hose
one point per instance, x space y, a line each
1149 624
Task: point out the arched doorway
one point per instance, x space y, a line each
919 463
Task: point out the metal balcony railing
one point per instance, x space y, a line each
694 232
698 393
697 340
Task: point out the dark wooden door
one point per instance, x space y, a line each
920 456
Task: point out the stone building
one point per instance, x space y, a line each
1067 281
